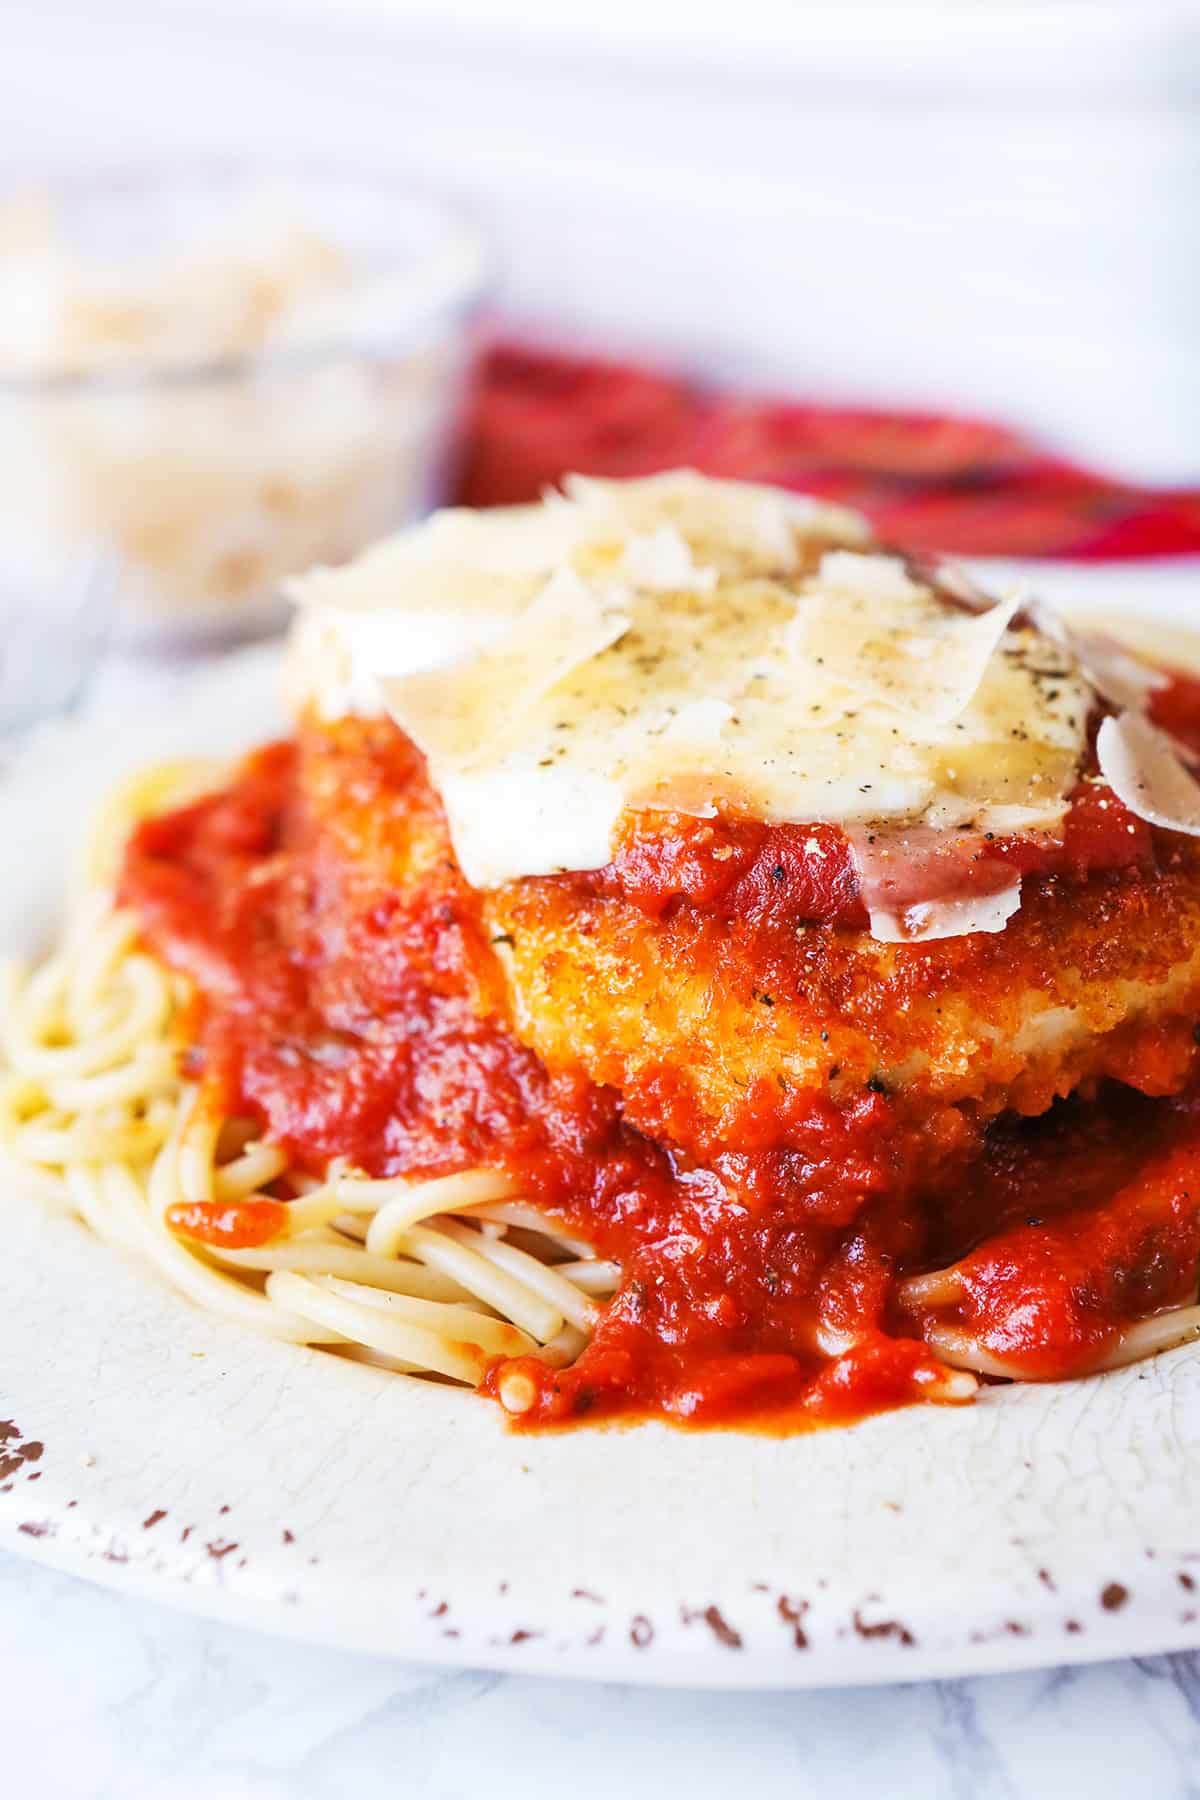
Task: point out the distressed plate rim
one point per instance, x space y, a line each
157 1450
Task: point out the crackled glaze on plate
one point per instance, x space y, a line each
154 1447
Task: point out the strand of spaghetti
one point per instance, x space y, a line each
508 1295
21 1100
253 1168
529 1218
347 1225
342 1196
575 1306
1148 1337
404 1203
142 1084
198 1151
194 1277
98 1095
1165 1331
564 1348
498 1337
92 1203
318 1207
149 1004
332 1258
516 1390
950 1385
326 1205
90 1139
100 951
152 1071
375 1359
594 1276
35 1013
461 1358
961 1351
941 1287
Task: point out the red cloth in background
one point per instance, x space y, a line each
926 481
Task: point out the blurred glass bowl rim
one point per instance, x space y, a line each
427 262
201 466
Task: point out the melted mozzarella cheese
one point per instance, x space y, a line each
686 644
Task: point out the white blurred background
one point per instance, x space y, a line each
990 207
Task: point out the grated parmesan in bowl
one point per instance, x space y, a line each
214 382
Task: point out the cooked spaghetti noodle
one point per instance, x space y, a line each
685 961
447 1276
437 1277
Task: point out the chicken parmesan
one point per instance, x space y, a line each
687 960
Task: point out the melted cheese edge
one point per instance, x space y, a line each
681 643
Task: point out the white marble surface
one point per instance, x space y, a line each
103 1697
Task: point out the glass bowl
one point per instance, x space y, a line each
213 377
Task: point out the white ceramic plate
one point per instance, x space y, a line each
155 1448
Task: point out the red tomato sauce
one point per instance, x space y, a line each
229 1224
1073 1223
349 1001
1176 707
805 874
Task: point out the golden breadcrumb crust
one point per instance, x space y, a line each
715 1031
699 1020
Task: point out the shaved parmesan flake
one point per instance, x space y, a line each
662 560
921 883
1115 672
1024 821
1142 767
738 516
435 615
867 625
460 713
1120 677
499 540
930 919
918 881
703 646
950 578
566 818
876 579
446 589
